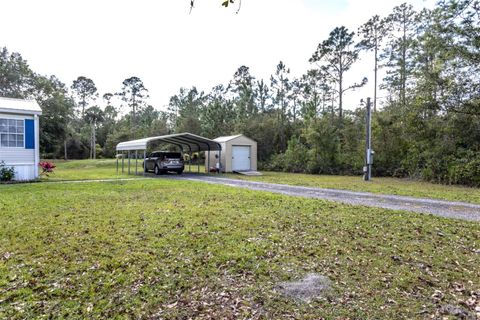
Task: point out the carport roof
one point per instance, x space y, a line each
186 141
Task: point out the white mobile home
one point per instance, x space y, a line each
19 136
239 154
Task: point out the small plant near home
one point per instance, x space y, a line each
6 173
47 168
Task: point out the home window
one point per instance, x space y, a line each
11 133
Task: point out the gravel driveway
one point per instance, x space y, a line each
448 209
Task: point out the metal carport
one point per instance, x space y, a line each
188 141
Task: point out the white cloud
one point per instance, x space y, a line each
167 48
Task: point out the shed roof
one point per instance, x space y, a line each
227 138
22 106
186 141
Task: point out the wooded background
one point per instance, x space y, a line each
426 125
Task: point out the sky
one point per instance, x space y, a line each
168 47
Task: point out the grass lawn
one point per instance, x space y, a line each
85 170
404 187
96 169
106 169
178 250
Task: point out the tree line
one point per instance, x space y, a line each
426 124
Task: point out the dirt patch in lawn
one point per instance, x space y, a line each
310 287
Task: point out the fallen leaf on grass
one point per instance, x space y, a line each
437 295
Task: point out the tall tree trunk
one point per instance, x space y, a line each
84 102
133 116
94 141
65 154
323 105
332 111
340 88
403 72
282 127
91 139
294 110
375 71
340 96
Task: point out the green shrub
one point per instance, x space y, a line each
275 163
296 156
6 173
465 169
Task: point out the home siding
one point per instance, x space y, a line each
23 160
17 156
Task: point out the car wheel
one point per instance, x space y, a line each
180 171
157 170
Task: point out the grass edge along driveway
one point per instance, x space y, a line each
381 185
106 169
175 249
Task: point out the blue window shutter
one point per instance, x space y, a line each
29 134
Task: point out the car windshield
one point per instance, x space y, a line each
170 155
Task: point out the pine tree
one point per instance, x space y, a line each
335 56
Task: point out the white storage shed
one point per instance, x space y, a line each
19 136
239 154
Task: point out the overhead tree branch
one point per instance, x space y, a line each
225 3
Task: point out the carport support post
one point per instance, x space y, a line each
117 162
128 161
136 161
208 160
190 162
190 159
144 157
123 162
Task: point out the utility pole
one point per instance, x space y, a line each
367 170
94 139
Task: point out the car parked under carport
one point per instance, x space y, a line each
186 142
164 161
